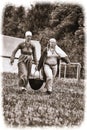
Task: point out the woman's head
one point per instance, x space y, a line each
28 36
52 42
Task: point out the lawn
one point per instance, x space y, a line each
64 107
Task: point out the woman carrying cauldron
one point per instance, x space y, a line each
25 60
50 61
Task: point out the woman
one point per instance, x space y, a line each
50 61
25 60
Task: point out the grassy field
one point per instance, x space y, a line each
64 107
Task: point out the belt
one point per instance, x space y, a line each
49 64
26 54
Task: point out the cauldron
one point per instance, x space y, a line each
36 83
36 79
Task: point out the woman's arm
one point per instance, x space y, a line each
13 54
34 55
66 59
42 59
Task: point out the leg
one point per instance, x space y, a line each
49 77
22 73
54 70
29 65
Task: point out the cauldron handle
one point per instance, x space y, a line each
35 72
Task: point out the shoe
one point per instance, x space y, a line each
22 89
49 92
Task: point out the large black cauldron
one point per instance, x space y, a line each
36 83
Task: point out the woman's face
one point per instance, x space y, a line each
28 38
52 44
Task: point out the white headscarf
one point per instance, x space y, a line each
28 33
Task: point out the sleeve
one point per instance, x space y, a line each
65 59
63 56
60 52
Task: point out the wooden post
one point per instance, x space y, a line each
60 69
78 65
65 71
78 71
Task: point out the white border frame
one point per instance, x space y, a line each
83 3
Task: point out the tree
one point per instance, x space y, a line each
8 16
38 17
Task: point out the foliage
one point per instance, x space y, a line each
38 17
14 21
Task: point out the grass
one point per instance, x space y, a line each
64 107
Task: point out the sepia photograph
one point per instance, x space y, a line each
43 67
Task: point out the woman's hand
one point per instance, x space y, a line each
11 60
36 67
